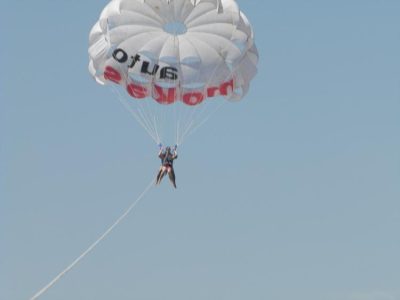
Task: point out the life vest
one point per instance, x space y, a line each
167 159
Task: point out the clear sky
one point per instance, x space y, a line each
293 193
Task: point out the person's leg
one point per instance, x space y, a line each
171 175
163 171
159 176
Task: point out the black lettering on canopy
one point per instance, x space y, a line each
169 73
120 55
135 59
145 68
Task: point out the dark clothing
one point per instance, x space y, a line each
167 159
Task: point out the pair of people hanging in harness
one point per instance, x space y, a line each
167 157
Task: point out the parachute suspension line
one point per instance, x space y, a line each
137 116
141 119
155 126
193 129
144 110
196 113
91 247
176 125
186 118
149 120
144 117
151 112
177 133
176 118
155 118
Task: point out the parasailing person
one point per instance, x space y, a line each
167 164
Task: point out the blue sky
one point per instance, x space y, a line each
292 193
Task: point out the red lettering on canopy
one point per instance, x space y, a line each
164 96
169 95
223 89
193 98
212 91
137 91
111 74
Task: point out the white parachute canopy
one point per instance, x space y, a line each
171 51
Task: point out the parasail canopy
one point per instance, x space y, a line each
174 50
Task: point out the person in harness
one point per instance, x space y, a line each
167 164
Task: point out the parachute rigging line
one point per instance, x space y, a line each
91 247
140 117
192 128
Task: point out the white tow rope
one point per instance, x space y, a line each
90 249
